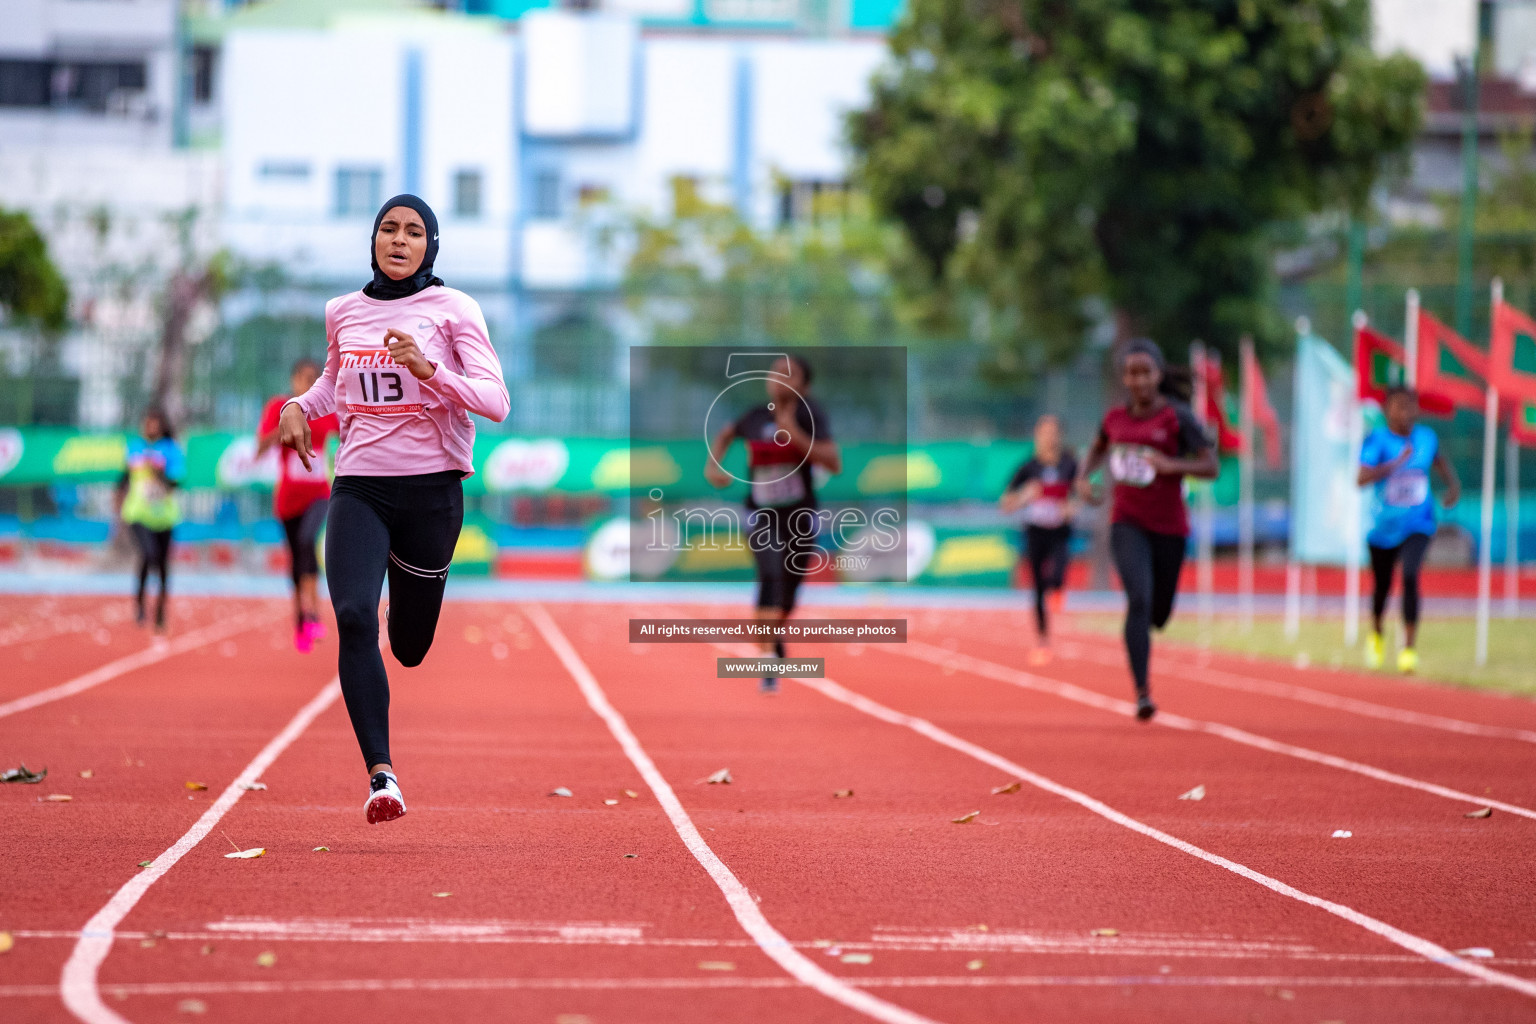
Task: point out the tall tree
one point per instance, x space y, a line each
31 287
1064 159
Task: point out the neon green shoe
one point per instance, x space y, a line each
1407 660
1375 651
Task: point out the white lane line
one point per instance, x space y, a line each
208 988
1092 698
78 982
1413 943
129 663
1082 651
741 902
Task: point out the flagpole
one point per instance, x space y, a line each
1411 340
1485 540
1352 558
1511 526
1206 551
1245 529
1292 566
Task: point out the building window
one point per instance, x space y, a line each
290 171
90 85
804 202
467 194
546 194
204 61
359 191
24 83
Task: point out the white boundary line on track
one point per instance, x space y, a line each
1413 943
130 662
1069 691
78 984
195 988
742 904
1226 679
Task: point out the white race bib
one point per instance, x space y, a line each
1128 465
1407 488
1046 512
373 384
773 486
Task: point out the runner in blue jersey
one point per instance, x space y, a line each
1397 458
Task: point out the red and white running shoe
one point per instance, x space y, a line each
384 801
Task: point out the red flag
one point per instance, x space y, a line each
1379 363
1514 337
1440 349
1264 414
1208 370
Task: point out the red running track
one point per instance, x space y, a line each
874 906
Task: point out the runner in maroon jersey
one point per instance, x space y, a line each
1042 488
1148 445
300 501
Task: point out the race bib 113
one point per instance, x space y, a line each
373 384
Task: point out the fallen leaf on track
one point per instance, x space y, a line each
631 794
207 949
23 774
857 958
630 856
86 773
7 942
1010 787
1481 812
975 965
716 965
266 959
843 794
196 787
145 863
610 803
321 849
192 1006
1480 952
560 791
58 798
251 854
1105 933
1198 793
1341 833
965 818
252 786
441 895
719 778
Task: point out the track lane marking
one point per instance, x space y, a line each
190 988
742 904
920 651
1430 951
78 982
1226 679
150 655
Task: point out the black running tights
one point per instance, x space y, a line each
407 525
1149 565
1047 552
1384 564
154 557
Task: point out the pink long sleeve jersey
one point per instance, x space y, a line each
393 424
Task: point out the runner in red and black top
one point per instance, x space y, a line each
1042 487
300 501
1149 445
785 437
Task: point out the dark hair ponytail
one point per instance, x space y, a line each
167 429
1178 383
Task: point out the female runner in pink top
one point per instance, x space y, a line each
408 360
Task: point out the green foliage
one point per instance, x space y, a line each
31 287
1052 156
704 276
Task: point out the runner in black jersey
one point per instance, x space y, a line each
785 437
1042 488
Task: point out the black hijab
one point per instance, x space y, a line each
385 287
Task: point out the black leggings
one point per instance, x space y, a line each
1046 547
302 532
409 525
154 556
1384 563
1149 565
782 544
